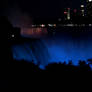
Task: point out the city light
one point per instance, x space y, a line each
33 25
42 25
13 35
90 0
54 25
59 19
65 12
90 24
50 25
82 5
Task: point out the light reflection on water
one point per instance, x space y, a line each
57 48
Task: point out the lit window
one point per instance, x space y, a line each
82 5
13 35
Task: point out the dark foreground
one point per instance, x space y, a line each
21 73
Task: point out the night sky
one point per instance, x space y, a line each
38 8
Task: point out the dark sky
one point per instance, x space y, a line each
38 8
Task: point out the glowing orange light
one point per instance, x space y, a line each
34 32
54 25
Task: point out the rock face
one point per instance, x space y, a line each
5 51
5 29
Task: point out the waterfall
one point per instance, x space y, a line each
32 51
57 48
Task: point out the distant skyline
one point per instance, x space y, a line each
38 8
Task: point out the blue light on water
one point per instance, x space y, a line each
54 49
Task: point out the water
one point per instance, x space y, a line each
58 47
31 51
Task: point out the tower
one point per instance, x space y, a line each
67 14
82 10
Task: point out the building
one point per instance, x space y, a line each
89 8
67 14
82 10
